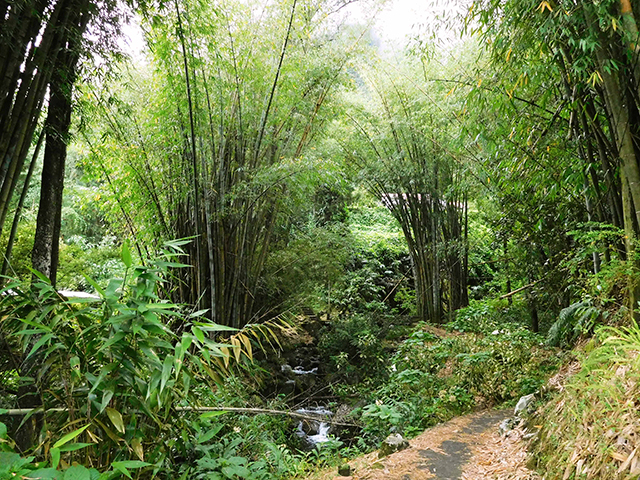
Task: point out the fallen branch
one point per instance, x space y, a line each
518 290
304 416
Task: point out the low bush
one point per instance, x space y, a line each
574 321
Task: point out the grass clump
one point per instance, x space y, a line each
592 428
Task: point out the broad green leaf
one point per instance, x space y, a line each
126 254
10 459
72 447
40 275
161 306
108 431
198 333
115 339
214 327
210 433
239 470
124 465
136 445
116 419
55 457
44 474
121 469
69 436
77 472
37 325
44 339
180 350
107 394
176 244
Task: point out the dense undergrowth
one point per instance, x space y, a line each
120 422
123 367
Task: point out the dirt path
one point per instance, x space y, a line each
465 448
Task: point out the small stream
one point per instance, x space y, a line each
313 433
321 428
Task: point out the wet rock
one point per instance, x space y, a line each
508 424
289 387
344 470
393 443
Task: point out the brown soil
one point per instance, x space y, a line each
465 448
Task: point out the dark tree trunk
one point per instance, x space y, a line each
46 244
45 248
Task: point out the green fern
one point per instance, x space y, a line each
575 320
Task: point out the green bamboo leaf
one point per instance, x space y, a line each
37 325
116 419
115 339
95 285
69 436
198 333
44 339
108 431
213 414
107 394
55 457
122 466
132 463
167 367
214 327
40 275
72 447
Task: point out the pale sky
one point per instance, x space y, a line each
402 19
395 25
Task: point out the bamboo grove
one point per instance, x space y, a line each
576 63
237 93
401 145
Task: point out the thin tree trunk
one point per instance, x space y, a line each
18 212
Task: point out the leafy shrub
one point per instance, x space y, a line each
355 347
431 378
489 315
117 366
